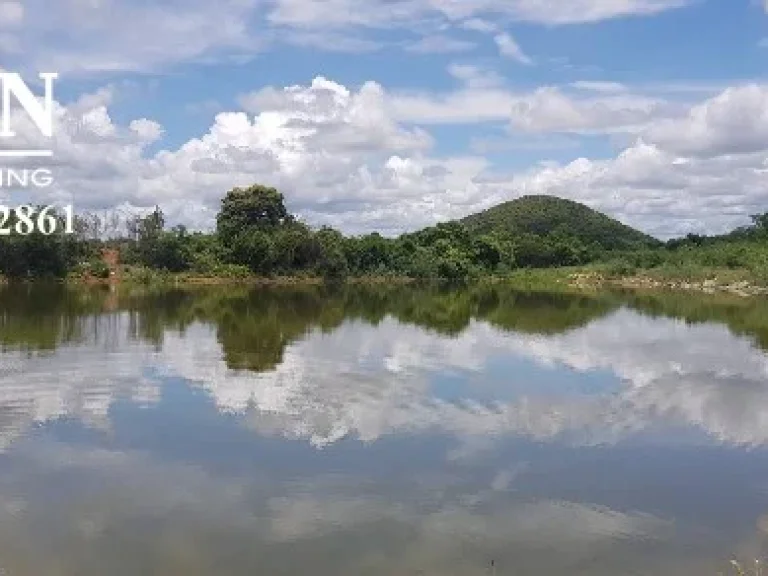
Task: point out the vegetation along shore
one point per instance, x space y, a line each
534 241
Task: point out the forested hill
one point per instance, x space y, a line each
552 216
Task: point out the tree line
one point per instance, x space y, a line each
256 235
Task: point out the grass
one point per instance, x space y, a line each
739 268
567 279
542 278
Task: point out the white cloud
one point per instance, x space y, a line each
509 48
733 122
549 109
465 106
330 114
126 36
321 13
475 76
147 130
479 25
360 158
556 12
677 198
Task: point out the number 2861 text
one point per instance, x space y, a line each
25 220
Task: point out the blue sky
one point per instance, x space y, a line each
405 112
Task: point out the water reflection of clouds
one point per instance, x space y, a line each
196 507
370 382
75 380
667 371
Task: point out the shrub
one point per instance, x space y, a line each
621 267
98 268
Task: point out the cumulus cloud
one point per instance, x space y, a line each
363 158
732 123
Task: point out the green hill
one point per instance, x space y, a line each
547 215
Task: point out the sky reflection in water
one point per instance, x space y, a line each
361 432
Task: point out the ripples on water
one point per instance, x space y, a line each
386 431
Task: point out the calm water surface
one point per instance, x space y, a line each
397 431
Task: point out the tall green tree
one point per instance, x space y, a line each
257 207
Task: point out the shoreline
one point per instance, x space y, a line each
641 282
735 282
191 280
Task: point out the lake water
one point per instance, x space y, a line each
380 431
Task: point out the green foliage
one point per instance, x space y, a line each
231 271
37 255
243 209
255 249
332 264
146 276
542 216
295 248
98 268
256 235
620 267
157 248
760 223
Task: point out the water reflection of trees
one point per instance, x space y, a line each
255 324
42 317
743 316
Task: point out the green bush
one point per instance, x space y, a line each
98 268
621 267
